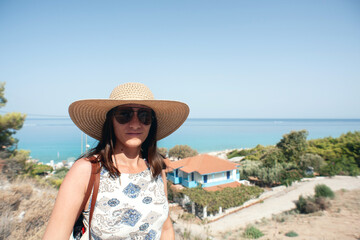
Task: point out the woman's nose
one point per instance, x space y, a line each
135 122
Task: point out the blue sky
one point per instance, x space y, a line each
228 59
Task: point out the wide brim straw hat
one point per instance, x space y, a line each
89 115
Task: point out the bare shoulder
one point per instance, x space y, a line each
79 172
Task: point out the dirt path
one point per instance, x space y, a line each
275 204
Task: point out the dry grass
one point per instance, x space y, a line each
25 209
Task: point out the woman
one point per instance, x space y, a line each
131 201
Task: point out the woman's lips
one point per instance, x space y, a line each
134 134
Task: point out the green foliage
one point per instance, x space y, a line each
38 169
341 166
284 173
317 203
293 145
2 94
291 234
321 190
252 232
287 177
225 198
9 124
163 151
182 151
312 160
249 168
347 145
273 157
251 154
14 163
172 194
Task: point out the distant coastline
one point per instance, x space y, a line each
59 139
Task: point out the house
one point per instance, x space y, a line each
209 171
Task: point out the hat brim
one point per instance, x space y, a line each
89 115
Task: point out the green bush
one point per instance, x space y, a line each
321 190
291 234
225 198
317 203
341 166
252 232
182 151
40 169
312 160
287 177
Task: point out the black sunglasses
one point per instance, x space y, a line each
125 114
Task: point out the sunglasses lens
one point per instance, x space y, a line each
124 115
144 116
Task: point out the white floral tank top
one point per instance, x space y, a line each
132 207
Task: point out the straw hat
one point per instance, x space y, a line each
89 115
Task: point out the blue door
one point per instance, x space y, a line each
205 178
192 176
228 174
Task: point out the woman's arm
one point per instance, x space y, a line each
167 232
68 201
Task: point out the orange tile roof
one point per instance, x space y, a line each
222 186
203 164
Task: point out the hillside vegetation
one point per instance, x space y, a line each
293 157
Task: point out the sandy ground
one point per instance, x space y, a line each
342 225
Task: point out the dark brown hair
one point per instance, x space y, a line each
105 148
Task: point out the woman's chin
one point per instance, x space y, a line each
133 143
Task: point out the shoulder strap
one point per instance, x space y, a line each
95 174
94 182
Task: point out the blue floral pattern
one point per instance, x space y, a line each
144 227
130 217
147 200
132 190
151 235
113 202
131 206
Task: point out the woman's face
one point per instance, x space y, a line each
131 132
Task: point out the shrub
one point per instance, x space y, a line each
291 234
323 203
287 177
321 190
317 203
312 160
225 198
306 205
182 151
163 151
341 166
252 233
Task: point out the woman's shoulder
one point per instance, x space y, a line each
82 167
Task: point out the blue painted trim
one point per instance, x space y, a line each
217 183
218 172
189 184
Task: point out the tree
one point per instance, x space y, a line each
163 151
273 157
182 151
9 124
293 145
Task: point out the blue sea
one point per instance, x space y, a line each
59 139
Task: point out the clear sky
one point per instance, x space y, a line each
225 59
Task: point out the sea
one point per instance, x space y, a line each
58 139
